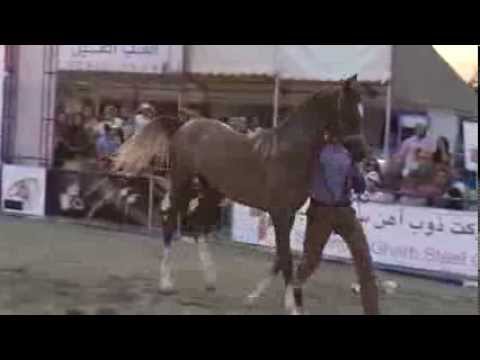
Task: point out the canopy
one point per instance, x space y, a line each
423 80
293 62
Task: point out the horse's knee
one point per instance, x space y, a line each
305 270
286 266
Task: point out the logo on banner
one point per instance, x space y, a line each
23 190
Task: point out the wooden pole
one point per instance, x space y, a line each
276 100
388 122
150 203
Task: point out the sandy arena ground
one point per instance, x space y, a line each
50 268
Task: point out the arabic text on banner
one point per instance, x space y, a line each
155 59
417 238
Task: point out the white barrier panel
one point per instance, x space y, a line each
23 190
417 238
2 78
157 59
470 131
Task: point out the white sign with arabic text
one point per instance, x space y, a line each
470 134
155 59
409 237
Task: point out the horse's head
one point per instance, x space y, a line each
349 124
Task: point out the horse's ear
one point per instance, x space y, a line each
353 79
348 84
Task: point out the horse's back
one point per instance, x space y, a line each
223 156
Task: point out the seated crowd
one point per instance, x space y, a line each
422 172
84 137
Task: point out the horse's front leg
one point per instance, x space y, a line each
206 260
263 285
283 223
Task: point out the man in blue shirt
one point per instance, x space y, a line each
335 176
106 146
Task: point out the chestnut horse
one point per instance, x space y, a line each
270 171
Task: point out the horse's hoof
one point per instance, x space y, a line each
250 301
297 312
211 288
167 290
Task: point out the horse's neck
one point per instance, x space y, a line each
304 126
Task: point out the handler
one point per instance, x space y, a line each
336 173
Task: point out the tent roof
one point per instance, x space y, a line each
423 80
292 62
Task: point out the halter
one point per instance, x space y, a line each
338 123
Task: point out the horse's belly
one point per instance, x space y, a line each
239 180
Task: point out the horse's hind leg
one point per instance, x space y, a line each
205 218
265 283
179 199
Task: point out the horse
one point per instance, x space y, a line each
269 171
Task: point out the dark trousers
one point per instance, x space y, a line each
323 221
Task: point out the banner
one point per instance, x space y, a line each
23 190
155 59
409 237
470 135
98 197
2 79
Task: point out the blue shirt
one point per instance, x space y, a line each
334 177
106 146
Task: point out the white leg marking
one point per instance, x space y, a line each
166 204
166 282
260 290
290 305
207 263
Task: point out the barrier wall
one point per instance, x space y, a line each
411 238
2 77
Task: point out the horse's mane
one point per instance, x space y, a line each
140 151
266 142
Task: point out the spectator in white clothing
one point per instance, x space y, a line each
144 117
415 151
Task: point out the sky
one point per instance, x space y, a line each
463 58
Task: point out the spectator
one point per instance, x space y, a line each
110 117
442 155
60 139
373 175
92 125
77 137
432 184
128 127
253 125
145 115
106 146
415 152
238 124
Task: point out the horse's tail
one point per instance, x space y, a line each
153 143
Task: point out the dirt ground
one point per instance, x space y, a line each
51 268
